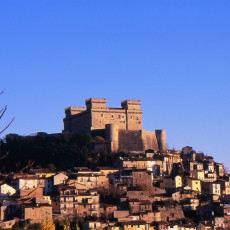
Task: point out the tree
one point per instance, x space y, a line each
47 224
64 151
2 129
67 224
2 112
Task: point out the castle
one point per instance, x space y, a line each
120 128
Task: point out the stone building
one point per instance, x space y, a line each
121 127
170 211
37 213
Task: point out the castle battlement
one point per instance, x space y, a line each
75 107
131 101
95 99
73 110
95 103
131 104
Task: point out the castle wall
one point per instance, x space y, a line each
149 140
101 117
130 141
80 122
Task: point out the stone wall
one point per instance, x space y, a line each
130 141
80 122
149 140
101 117
38 213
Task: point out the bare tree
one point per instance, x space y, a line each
4 154
2 112
2 129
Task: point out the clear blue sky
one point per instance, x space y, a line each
174 55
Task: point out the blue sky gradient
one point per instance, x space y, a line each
174 55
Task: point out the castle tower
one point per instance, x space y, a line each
95 103
133 114
69 113
112 134
161 139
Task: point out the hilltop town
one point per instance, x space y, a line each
139 184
